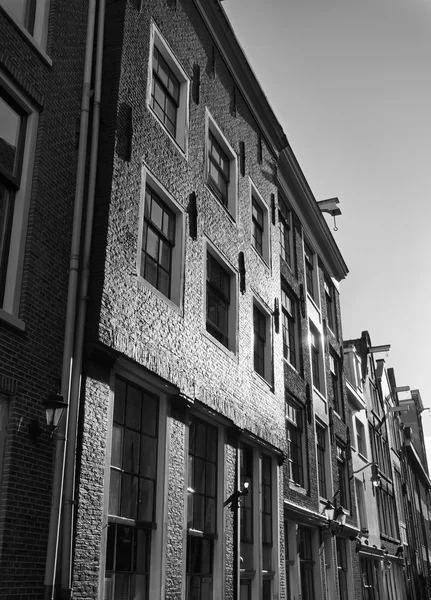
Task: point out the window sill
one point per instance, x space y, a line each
262 258
265 381
176 144
294 369
220 203
313 302
362 456
297 488
219 345
321 396
12 320
145 284
25 34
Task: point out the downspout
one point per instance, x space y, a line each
60 439
69 484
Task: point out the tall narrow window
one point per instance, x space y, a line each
316 358
246 517
132 492
342 476
306 563
260 341
360 498
290 326
158 242
165 94
337 391
12 136
321 459
331 313
360 438
218 300
342 567
219 169
201 509
309 270
257 226
294 435
267 524
286 232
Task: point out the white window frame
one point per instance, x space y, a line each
360 434
233 303
298 406
268 367
315 297
218 558
313 330
232 199
158 537
178 253
258 575
286 222
254 194
40 30
182 123
4 417
10 309
295 321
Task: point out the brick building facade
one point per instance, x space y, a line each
41 64
198 339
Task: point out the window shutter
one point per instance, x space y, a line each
241 265
193 217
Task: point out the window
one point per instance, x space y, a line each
309 271
220 301
201 509
286 232
388 518
161 244
262 343
295 441
316 359
132 492
256 524
331 312
342 567
259 225
168 90
32 15
4 410
18 124
290 327
360 498
321 459
370 582
336 381
306 563
221 167
342 476
360 438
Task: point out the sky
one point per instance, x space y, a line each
350 83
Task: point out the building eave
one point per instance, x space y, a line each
219 26
414 456
305 205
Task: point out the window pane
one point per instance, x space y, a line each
129 496
131 451
146 500
117 446
10 125
148 457
149 415
133 410
120 400
124 548
114 493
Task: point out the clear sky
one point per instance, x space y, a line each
350 82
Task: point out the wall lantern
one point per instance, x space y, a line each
234 499
335 516
54 409
375 476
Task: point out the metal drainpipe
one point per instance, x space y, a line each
69 485
59 464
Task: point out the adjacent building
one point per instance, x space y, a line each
168 279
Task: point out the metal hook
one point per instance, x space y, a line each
335 224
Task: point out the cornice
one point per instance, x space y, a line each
223 35
303 202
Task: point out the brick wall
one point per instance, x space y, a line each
32 358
